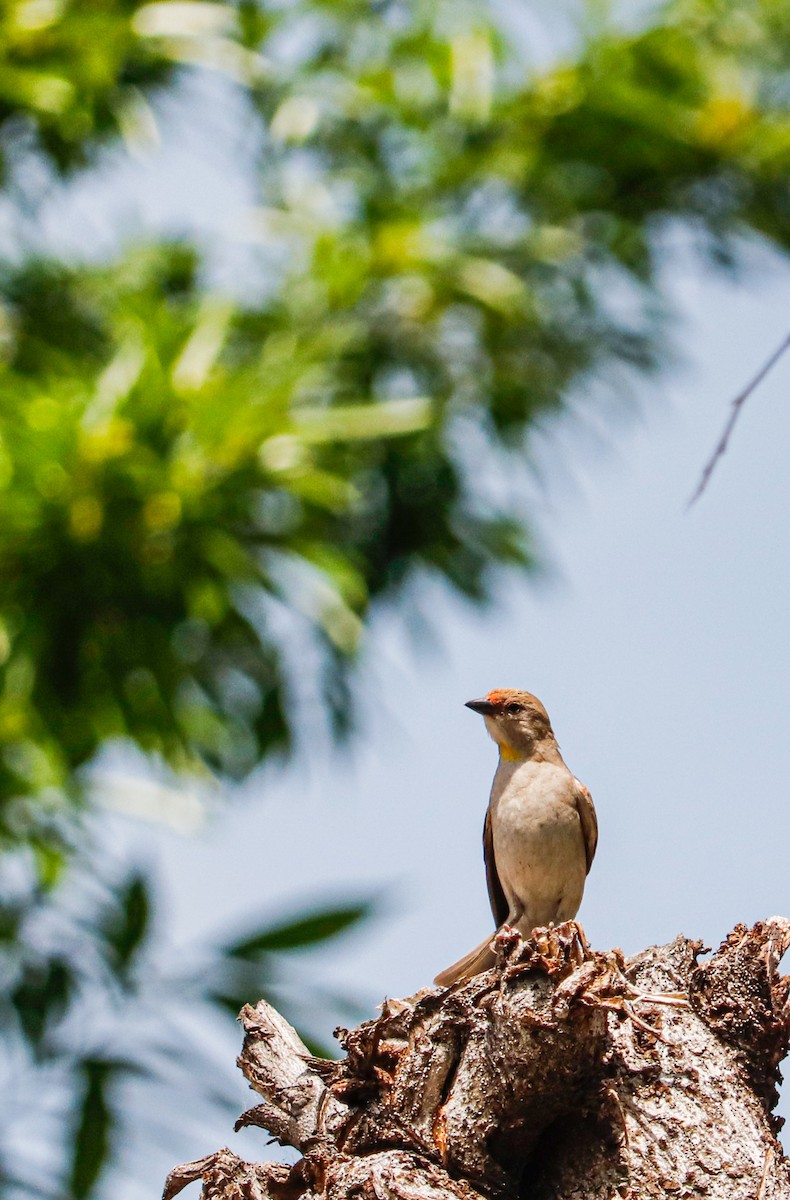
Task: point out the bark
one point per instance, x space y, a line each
561 1074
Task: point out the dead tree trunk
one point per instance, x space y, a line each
562 1073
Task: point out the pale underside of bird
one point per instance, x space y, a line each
540 830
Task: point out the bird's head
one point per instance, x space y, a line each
517 721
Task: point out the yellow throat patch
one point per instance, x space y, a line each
508 754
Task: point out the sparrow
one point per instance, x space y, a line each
540 830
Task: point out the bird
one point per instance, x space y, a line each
540 831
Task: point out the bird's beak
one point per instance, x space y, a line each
484 707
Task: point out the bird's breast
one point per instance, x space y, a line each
538 841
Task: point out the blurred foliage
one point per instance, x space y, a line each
82 973
204 494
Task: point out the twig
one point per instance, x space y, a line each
735 412
612 1094
629 1012
651 1029
769 1160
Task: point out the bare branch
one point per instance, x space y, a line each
735 412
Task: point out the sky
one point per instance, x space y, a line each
656 637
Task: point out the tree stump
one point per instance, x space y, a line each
561 1074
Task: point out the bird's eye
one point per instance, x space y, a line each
513 709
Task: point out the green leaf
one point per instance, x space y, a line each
310 929
94 1128
41 997
10 921
125 924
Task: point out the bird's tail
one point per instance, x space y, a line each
477 960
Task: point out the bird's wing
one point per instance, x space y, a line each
499 905
586 810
